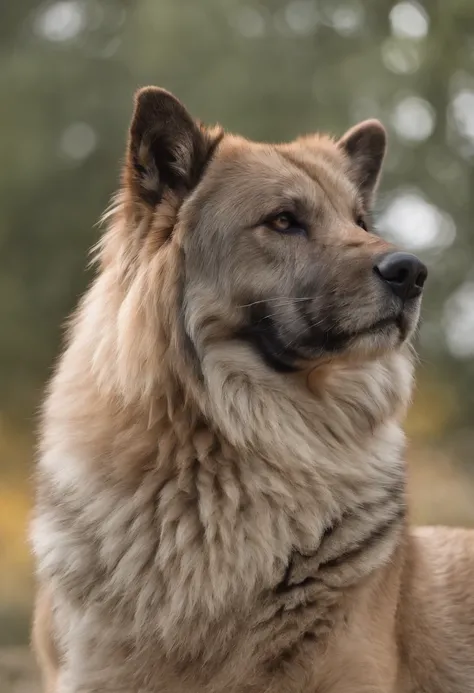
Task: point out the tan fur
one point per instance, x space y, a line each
43 641
205 523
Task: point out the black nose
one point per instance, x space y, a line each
404 272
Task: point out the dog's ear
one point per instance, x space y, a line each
365 145
167 148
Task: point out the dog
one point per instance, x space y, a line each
221 501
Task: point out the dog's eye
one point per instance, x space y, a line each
360 222
285 223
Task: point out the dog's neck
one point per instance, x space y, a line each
329 446
334 412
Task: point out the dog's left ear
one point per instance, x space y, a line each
168 148
365 145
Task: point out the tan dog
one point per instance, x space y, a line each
221 485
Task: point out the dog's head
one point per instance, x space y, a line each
276 242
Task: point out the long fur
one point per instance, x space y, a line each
203 522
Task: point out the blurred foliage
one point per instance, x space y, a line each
269 69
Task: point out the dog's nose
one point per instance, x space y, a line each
403 272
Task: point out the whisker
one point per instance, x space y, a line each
266 316
286 300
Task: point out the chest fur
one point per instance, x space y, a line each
221 556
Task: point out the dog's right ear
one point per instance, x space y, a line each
167 148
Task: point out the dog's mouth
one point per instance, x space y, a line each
338 339
395 329
318 341
380 325
400 321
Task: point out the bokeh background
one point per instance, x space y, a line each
270 69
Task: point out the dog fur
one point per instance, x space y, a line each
221 486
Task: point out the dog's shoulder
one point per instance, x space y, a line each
436 625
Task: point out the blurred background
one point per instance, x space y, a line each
269 69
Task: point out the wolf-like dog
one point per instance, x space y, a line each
221 501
